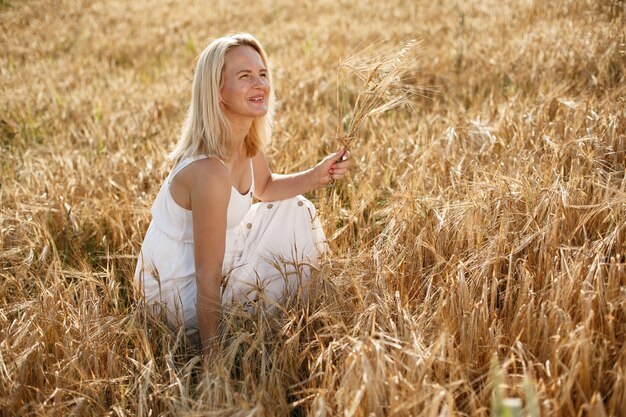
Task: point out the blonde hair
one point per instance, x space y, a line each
206 129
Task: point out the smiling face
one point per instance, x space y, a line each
245 87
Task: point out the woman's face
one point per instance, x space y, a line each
245 88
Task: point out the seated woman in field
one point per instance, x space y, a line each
207 244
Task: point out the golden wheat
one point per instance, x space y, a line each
477 249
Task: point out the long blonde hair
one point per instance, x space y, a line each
206 129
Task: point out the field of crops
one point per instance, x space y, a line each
478 245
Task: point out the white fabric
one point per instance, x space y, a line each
269 246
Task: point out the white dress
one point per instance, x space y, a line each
270 248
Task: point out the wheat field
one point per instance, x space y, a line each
478 245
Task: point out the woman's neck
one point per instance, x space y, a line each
238 133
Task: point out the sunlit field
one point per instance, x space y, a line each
477 246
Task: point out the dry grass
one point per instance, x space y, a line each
478 244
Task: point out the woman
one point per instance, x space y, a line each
207 244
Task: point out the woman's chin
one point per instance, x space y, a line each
260 112
247 113
256 110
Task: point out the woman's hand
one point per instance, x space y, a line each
331 168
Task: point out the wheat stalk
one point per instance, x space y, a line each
387 82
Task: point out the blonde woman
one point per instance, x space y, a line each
207 244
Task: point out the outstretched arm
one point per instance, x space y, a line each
272 187
209 194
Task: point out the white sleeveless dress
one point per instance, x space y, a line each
270 248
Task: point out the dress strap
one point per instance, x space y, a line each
182 165
252 174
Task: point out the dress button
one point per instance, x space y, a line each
269 206
249 225
300 203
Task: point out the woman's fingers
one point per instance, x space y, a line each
334 166
340 167
342 155
343 162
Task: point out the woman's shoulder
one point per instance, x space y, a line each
209 165
202 164
209 173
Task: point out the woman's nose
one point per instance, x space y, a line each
261 82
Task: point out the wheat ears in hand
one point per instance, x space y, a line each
388 82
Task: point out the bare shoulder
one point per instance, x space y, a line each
209 167
259 158
209 176
259 153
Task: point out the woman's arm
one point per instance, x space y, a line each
209 194
272 187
